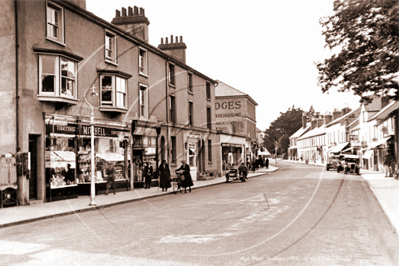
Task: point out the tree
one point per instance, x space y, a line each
366 33
281 129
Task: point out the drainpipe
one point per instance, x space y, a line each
16 78
167 110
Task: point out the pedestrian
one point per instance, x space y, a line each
164 174
388 165
187 182
111 175
253 166
148 172
267 163
244 171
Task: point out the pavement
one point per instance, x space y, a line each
11 216
385 189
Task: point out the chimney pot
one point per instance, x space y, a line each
117 13
161 40
166 40
181 39
136 11
141 11
130 11
171 38
123 12
177 39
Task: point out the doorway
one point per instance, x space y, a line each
33 167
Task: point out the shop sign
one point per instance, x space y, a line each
102 131
61 129
231 145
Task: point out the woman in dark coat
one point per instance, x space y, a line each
164 174
187 182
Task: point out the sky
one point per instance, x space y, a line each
266 49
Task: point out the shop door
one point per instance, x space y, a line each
33 167
162 148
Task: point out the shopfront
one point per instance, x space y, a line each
232 151
68 158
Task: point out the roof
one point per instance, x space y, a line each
338 120
314 132
375 105
223 90
300 132
354 124
386 111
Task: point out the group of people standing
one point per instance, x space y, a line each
258 163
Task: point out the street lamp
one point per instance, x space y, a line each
93 181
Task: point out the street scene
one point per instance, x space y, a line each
298 215
199 133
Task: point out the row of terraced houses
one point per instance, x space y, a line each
367 131
65 69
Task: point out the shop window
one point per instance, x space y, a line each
113 93
143 97
209 150
143 61
172 109
173 151
110 47
58 78
172 74
55 23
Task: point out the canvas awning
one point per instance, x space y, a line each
111 157
145 131
382 115
378 143
339 147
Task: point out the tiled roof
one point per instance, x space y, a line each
226 90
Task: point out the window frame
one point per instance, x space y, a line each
209 117
144 60
60 39
190 83
57 95
143 113
173 150
209 151
113 105
172 75
172 108
113 58
208 90
190 113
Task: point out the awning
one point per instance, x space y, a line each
145 131
378 143
339 147
66 156
384 113
111 157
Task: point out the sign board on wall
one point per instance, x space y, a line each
229 116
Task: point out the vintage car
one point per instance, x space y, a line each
333 162
349 164
233 174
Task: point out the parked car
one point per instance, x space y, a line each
333 162
350 164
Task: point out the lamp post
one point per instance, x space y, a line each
93 181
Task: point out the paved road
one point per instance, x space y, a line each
299 215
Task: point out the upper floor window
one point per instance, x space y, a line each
208 91
110 47
172 74
190 82
143 97
208 117
209 150
143 61
190 113
58 76
55 23
172 109
113 92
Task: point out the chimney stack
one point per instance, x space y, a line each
336 114
328 118
313 124
175 49
320 122
134 22
304 120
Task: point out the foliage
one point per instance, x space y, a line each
366 34
281 129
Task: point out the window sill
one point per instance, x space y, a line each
209 162
172 85
190 92
112 109
208 99
56 41
143 75
58 99
111 62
